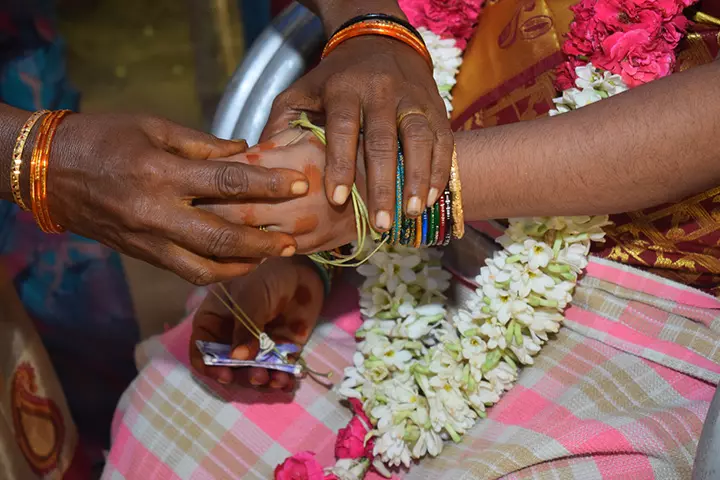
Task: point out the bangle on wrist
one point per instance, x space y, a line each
387 26
17 157
39 171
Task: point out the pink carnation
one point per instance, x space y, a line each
635 56
301 466
351 440
447 18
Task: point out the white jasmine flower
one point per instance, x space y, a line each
473 347
390 446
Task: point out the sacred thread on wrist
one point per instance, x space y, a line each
17 157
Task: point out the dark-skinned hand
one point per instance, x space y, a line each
130 182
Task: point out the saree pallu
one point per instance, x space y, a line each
620 392
38 438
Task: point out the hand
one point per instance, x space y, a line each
283 297
311 219
130 181
373 82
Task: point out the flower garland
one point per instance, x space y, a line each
421 377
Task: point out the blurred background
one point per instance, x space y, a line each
166 57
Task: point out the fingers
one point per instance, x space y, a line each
210 236
238 181
416 137
380 143
442 151
192 144
210 327
198 270
262 300
342 132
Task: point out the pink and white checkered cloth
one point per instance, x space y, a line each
621 392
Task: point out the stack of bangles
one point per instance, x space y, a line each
438 223
38 172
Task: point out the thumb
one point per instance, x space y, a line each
263 300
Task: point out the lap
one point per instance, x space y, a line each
622 389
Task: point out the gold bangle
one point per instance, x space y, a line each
17 157
382 28
456 191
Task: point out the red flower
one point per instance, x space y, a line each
447 18
565 74
351 440
636 56
301 466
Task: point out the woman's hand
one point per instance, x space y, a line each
283 297
385 87
130 182
311 219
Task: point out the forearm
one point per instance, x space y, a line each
336 12
655 144
11 121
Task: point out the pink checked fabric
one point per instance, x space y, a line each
620 393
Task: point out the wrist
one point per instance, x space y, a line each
334 13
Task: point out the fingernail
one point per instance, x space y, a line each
255 381
433 196
288 252
414 206
382 220
223 381
299 188
340 194
275 384
241 141
241 353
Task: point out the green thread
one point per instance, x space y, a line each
362 216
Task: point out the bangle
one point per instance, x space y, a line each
378 27
17 157
379 16
39 171
456 190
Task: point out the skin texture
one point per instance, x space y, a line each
373 81
129 182
283 296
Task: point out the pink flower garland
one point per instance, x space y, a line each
454 19
635 39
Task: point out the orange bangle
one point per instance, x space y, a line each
378 27
39 172
34 161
